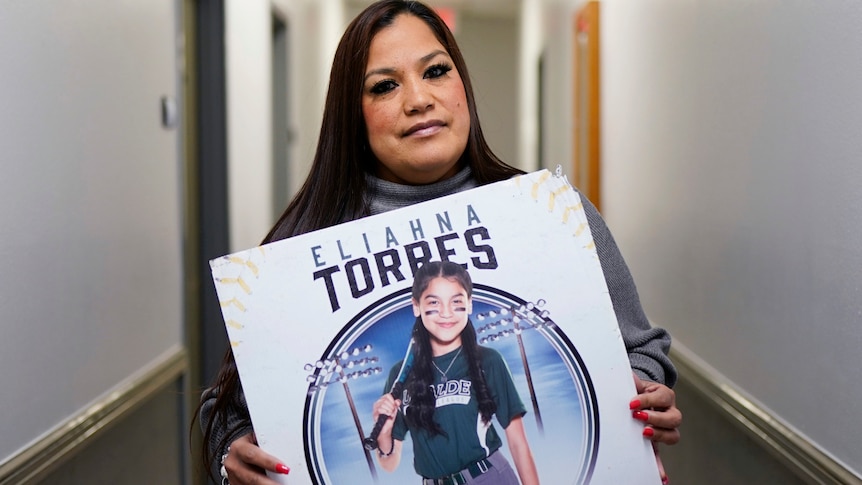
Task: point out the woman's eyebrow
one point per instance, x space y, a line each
382 70
391 70
432 55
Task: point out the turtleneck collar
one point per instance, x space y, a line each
385 196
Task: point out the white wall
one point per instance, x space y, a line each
732 136
312 26
530 43
89 205
556 24
488 45
248 66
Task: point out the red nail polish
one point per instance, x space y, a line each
648 432
665 481
282 468
641 415
635 404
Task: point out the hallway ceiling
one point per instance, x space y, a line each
484 8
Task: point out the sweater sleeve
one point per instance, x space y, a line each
647 346
228 426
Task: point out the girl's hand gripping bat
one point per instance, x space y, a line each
397 391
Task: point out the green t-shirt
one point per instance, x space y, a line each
467 438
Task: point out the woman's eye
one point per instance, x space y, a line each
383 87
437 70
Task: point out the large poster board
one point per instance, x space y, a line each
318 321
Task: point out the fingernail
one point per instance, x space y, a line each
665 481
641 415
636 403
648 432
282 468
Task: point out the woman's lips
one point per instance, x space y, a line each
425 128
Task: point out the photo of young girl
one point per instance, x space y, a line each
452 391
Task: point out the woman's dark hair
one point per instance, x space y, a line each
422 376
343 156
335 189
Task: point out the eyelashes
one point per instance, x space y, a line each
437 70
383 87
432 72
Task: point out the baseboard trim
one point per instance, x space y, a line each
37 460
793 449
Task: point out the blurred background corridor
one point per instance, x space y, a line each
721 140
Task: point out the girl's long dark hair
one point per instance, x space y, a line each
335 189
422 375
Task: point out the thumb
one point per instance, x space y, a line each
640 385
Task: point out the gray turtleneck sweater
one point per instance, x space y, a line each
647 346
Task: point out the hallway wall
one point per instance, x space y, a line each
732 133
91 211
487 44
311 28
248 72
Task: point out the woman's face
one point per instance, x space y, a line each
444 307
414 105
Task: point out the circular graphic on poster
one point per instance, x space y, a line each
561 423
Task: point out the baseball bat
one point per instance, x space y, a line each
397 390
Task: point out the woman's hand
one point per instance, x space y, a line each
655 405
245 463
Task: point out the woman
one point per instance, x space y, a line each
453 438
399 127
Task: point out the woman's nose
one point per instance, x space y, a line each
417 97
